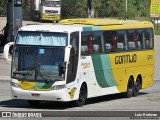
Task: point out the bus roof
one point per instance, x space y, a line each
53 28
107 23
89 21
88 24
101 22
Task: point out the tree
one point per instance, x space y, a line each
90 8
3 7
74 8
102 8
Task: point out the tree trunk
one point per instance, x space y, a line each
90 6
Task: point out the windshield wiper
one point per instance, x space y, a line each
46 79
61 68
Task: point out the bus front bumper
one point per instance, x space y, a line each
52 95
45 16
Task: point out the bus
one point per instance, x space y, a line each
45 10
78 59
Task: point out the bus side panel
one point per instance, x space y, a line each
149 77
109 73
147 63
103 71
86 72
100 81
133 64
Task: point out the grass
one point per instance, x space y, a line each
157 29
157 32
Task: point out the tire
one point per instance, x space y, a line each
82 97
137 87
33 102
130 88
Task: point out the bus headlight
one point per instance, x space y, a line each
15 85
58 87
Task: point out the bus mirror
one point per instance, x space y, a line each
6 50
67 53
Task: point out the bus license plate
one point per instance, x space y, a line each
36 95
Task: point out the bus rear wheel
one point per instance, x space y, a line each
82 97
33 102
130 88
137 87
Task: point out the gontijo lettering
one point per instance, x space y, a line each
123 59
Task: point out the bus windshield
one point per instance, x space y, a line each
41 38
37 63
39 56
51 3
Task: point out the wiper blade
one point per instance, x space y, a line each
46 79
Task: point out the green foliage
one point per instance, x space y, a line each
106 8
102 8
3 8
74 8
26 8
157 29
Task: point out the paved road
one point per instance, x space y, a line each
148 100
157 61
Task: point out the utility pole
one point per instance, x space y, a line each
17 16
90 6
14 18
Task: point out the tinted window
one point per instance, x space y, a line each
148 39
132 39
121 40
110 41
87 43
97 43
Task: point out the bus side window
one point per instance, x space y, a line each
90 45
75 42
121 40
148 41
139 33
132 39
114 42
86 43
84 46
97 42
108 47
110 43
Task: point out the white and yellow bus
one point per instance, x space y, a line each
82 58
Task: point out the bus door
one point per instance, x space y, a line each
74 56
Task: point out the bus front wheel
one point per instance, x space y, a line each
130 88
82 97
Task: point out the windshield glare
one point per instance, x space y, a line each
41 38
37 63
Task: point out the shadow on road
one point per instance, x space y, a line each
13 103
